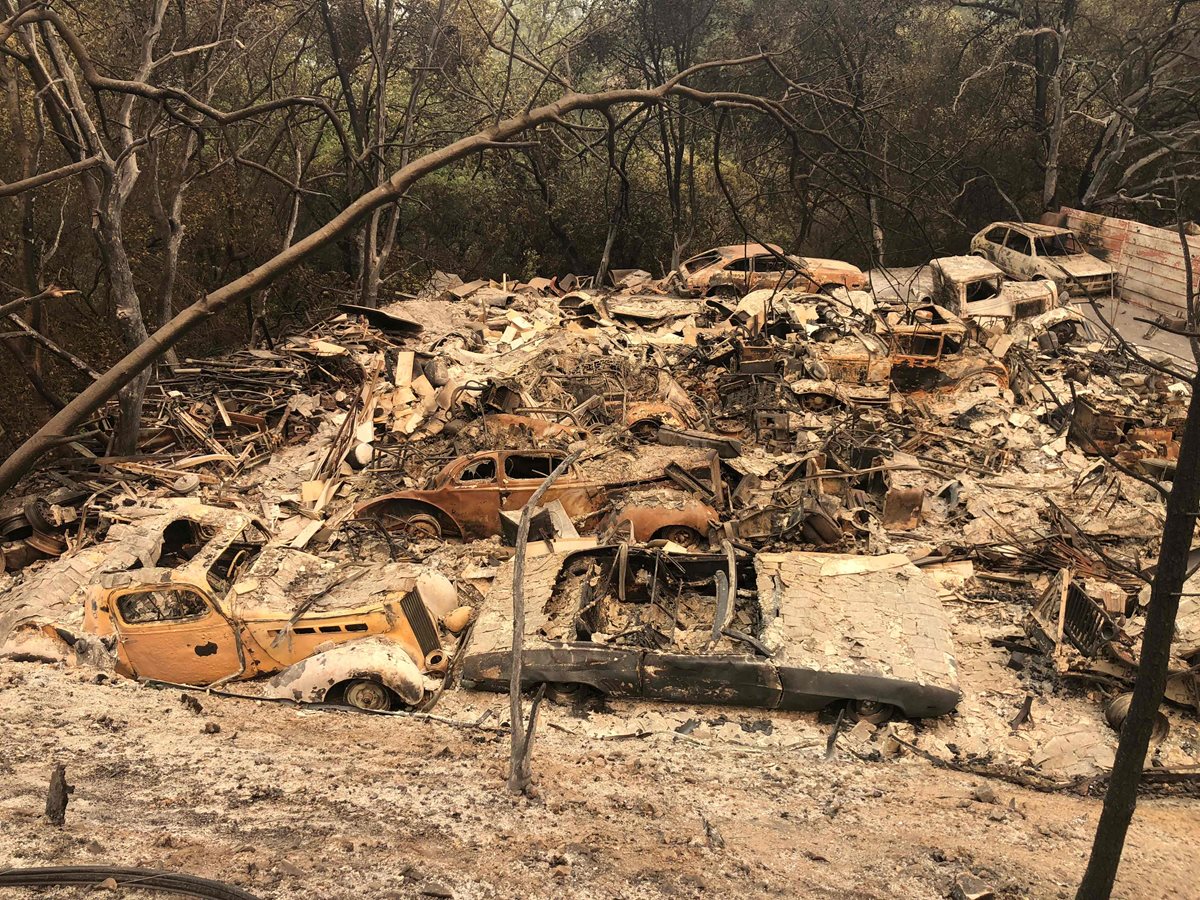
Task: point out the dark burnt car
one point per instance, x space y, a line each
778 630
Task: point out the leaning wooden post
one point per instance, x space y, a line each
518 767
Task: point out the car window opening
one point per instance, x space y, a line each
530 466
984 289
1058 245
481 470
171 605
1017 242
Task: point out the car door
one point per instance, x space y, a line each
473 496
524 474
772 273
737 273
1017 259
174 632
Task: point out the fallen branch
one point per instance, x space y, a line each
519 774
65 355
145 354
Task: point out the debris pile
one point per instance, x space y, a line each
783 495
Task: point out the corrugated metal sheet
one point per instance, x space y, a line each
1148 260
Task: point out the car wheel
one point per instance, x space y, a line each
1065 332
363 693
681 535
817 402
421 526
874 712
1117 710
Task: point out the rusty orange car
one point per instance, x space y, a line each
465 499
738 269
236 608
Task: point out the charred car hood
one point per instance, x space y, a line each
1082 266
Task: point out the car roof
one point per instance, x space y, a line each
1032 229
733 251
965 267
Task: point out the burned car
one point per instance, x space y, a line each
467 498
738 269
1029 252
777 630
930 351
218 603
974 289
1080 624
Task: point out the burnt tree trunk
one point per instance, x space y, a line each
56 795
131 326
1121 798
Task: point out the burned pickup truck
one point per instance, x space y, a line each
778 630
468 496
217 603
981 295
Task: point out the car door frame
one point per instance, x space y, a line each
475 502
163 633
774 280
576 497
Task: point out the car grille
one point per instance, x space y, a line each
1027 309
421 622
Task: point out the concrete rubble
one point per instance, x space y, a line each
780 499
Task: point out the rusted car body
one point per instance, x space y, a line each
762 631
1124 431
465 500
1083 637
741 268
929 352
287 611
1029 252
974 289
218 603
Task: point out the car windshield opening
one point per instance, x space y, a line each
985 289
1058 245
664 604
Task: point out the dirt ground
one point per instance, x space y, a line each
290 802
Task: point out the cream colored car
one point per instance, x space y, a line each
1030 252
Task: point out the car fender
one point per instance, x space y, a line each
376 658
646 519
420 502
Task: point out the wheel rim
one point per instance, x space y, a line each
873 712
679 534
364 694
423 526
816 402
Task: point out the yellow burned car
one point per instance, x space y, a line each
235 608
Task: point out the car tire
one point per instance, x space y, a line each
369 695
873 712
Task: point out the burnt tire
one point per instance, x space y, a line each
1117 710
369 695
679 534
873 712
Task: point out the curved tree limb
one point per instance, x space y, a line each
144 355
